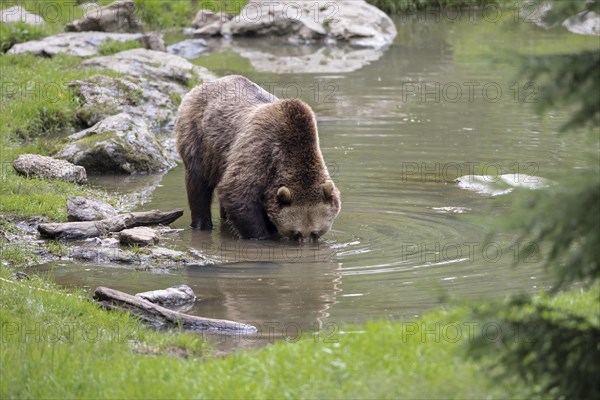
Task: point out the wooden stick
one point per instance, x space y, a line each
88 229
107 296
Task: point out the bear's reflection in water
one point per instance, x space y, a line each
283 288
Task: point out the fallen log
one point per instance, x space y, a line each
88 229
149 311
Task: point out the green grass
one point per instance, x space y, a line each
10 34
21 196
400 6
110 47
38 111
56 345
36 99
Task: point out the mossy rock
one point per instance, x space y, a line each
118 144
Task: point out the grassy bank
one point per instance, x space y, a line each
402 6
63 346
37 111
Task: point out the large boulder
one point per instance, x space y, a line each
350 21
101 96
119 16
152 65
49 168
15 14
118 144
80 44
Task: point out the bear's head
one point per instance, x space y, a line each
305 215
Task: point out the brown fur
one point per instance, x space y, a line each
235 137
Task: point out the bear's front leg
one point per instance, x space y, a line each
199 198
248 221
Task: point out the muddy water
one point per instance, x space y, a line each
395 130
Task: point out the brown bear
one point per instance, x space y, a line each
261 154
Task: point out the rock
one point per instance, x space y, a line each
584 23
169 258
103 255
152 65
16 14
173 296
190 48
207 17
153 41
352 21
141 235
80 44
82 209
209 23
117 144
49 168
119 16
101 96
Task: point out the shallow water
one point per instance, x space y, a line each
395 133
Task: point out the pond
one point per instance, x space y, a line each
397 127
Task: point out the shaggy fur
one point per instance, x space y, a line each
261 154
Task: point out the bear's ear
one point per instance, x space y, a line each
284 195
328 187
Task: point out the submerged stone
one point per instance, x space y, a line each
173 296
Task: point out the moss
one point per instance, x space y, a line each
175 98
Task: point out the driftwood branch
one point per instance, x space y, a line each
88 229
110 298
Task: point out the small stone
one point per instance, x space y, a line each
49 168
141 235
173 296
190 48
82 209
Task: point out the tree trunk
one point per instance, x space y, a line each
150 311
88 229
